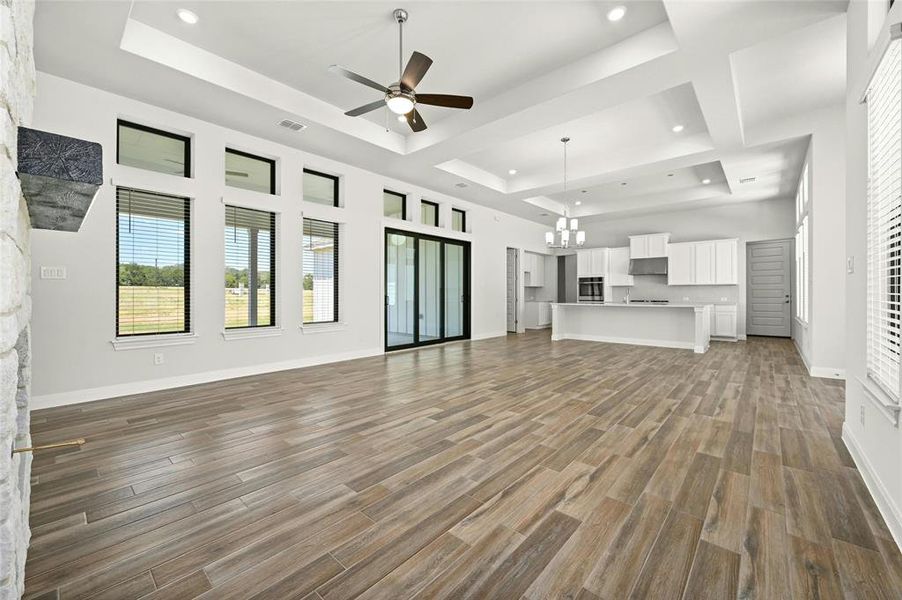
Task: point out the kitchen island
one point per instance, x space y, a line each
665 325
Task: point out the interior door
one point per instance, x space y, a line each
768 302
512 285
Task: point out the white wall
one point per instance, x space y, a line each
874 442
747 221
75 318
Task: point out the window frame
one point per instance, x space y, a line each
435 205
187 268
803 247
403 198
270 161
273 280
336 277
463 219
335 185
161 132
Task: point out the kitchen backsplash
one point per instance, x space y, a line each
654 287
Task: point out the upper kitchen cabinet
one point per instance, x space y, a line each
652 245
533 270
713 262
619 267
592 262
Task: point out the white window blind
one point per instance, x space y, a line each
320 277
250 268
884 208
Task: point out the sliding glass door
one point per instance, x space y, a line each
426 289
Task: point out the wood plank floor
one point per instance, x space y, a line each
505 468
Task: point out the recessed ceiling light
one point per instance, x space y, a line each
512 171
578 202
677 128
616 13
706 181
187 16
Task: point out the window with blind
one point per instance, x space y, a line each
884 217
394 205
250 268
153 262
320 276
320 188
458 220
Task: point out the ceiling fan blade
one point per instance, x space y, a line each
340 70
415 121
446 100
416 67
362 110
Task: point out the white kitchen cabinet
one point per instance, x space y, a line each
713 262
592 262
536 315
724 321
619 267
652 245
533 270
704 263
726 262
681 264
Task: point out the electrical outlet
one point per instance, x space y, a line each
685 298
53 272
158 358
861 415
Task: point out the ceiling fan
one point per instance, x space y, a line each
401 97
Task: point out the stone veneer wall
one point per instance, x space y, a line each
17 87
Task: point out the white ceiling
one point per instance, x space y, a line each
538 71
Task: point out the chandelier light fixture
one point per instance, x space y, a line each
563 236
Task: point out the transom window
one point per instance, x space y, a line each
394 205
320 188
152 149
250 172
458 220
429 213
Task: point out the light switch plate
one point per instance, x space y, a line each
850 264
53 272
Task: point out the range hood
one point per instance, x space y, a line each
648 266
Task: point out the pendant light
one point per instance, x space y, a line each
561 230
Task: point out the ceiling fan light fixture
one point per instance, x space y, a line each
400 104
616 13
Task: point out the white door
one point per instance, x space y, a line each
704 263
680 264
768 295
512 290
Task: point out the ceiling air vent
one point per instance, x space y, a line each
460 184
748 179
292 125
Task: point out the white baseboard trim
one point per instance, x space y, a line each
827 372
154 385
891 513
485 336
630 341
804 358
